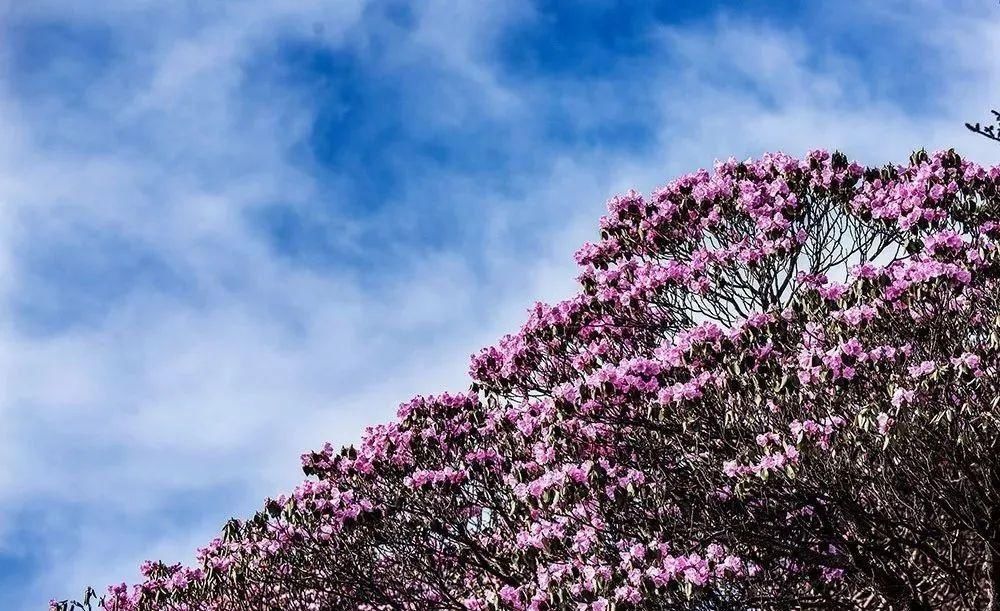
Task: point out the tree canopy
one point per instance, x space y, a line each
777 387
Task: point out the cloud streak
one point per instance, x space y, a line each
232 233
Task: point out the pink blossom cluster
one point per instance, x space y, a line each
773 374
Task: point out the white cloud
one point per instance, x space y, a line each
213 394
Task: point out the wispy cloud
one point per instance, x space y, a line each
233 232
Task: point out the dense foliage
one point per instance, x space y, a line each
776 388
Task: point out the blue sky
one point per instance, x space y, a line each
231 231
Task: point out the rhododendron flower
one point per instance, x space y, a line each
692 429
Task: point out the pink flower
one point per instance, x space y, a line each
884 423
902 396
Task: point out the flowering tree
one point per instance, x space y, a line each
776 388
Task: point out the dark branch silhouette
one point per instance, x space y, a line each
989 131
